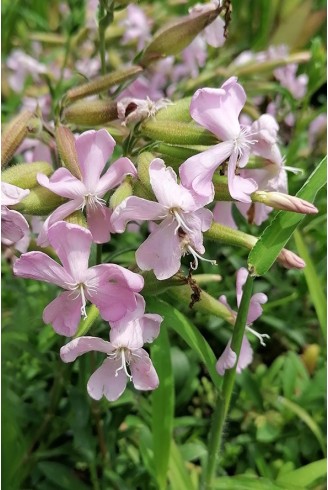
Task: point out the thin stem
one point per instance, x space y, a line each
223 400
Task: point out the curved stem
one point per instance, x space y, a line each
223 400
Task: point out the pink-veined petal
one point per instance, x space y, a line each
197 172
39 266
64 313
161 251
72 244
144 376
218 109
63 183
81 345
115 174
93 149
98 217
11 194
135 208
107 381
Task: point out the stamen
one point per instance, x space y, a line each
83 310
181 223
196 256
258 335
294 170
123 366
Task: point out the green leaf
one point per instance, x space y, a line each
61 475
306 475
248 482
314 284
178 474
86 323
162 406
190 334
279 231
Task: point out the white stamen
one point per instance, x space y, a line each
258 335
294 170
83 310
241 142
123 366
196 256
181 223
92 200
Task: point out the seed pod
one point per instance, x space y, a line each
23 175
66 147
39 202
91 113
177 111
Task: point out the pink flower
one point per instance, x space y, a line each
137 26
110 287
214 32
93 149
218 111
13 225
22 65
124 350
228 358
180 232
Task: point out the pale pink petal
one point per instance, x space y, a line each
99 275
197 172
107 381
222 213
259 213
245 356
81 345
72 244
227 360
218 109
59 214
115 174
224 301
39 266
63 183
126 334
94 149
168 192
161 251
255 308
239 188
241 278
11 194
194 223
134 314
64 313
214 33
113 301
13 226
205 217
99 223
136 208
150 326
144 376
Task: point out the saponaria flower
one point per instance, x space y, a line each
13 225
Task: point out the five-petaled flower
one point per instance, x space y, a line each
124 351
112 288
180 232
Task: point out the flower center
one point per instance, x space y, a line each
92 201
125 355
79 288
243 142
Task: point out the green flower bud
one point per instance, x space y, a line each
122 192
23 175
91 113
66 147
174 132
39 202
177 111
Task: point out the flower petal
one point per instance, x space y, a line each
144 376
13 226
93 149
227 360
161 251
222 213
136 208
214 33
245 356
11 194
64 313
63 183
99 275
126 334
150 326
115 174
99 222
107 381
37 265
239 188
255 308
81 345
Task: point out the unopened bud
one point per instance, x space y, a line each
23 175
278 200
90 112
103 83
175 132
77 218
66 147
39 202
310 357
177 111
122 192
177 35
290 260
15 132
143 162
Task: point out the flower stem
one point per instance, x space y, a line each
223 399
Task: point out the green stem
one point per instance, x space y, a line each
223 400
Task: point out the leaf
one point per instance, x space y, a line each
162 406
190 334
306 475
248 482
313 283
279 231
61 475
178 474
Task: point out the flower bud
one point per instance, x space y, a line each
177 35
290 260
67 151
39 202
310 357
103 83
23 175
285 202
15 132
90 112
180 133
144 160
122 192
177 111
77 218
